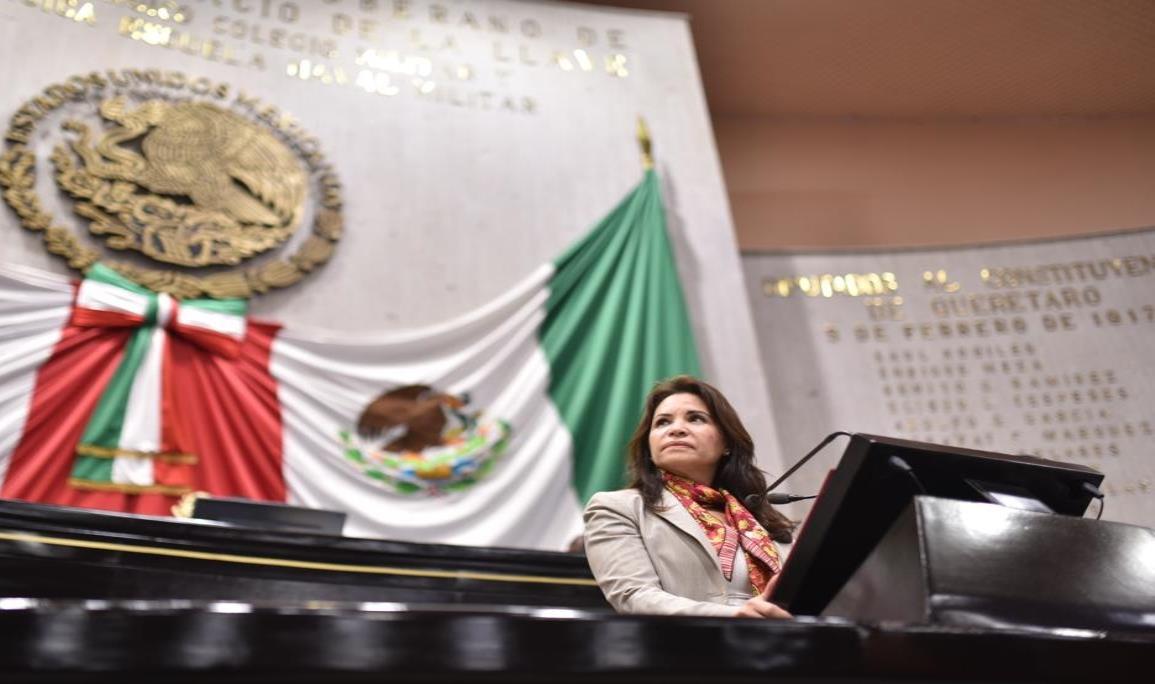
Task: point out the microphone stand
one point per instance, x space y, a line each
759 499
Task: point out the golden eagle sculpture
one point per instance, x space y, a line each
185 182
212 156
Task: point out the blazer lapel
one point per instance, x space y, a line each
674 513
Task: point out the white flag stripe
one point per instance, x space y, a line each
32 284
20 326
164 308
132 471
21 356
141 430
100 296
226 324
34 306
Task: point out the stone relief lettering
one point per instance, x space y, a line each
1023 354
476 56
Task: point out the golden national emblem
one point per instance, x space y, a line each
184 173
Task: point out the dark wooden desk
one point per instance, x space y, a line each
98 641
57 552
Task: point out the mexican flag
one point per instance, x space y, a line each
491 429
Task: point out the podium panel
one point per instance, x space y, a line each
963 563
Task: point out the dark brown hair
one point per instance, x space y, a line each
736 473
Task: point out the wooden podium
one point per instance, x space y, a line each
875 482
960 563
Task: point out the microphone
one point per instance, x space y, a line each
778 498
754 501
774 499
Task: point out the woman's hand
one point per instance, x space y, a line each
760 606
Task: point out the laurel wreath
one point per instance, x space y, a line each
451 467
18 178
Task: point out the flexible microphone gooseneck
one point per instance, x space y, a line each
778 498
755 501
900 464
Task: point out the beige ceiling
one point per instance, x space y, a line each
922 59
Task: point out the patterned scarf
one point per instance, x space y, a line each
740 527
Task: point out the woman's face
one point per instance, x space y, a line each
684 439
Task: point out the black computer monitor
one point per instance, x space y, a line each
868 490
268 515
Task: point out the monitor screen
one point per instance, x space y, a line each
867 492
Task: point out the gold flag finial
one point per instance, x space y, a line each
646 144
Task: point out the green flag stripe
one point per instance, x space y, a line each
107 421
92 469
234 307
615 324
104 274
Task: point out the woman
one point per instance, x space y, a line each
679 541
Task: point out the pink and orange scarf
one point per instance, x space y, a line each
740 528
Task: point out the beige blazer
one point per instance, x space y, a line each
659 563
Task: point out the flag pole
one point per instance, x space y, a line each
646 144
